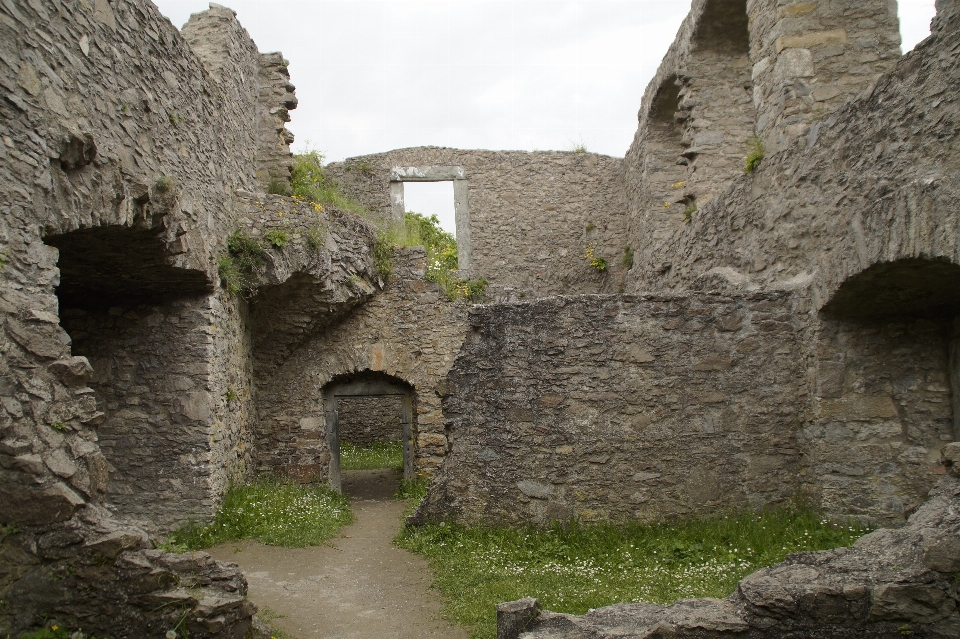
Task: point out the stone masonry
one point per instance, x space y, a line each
129 155
365 420
788 333
532 215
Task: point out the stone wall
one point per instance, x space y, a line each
214 36
737 68
150 381
533 215
870 183
409 332
623 408
880 413
127 158
654 407
364 420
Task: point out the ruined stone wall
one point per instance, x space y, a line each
737 68
126 161
880 414
654 407
533 215
364 420
150 378
871 183
409 331
623 408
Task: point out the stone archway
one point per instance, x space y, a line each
368 385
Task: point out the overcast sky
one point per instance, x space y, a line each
376 75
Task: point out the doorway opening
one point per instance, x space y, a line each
370 433
432 198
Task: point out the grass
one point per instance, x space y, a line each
310 182
413 490
376 455
269 616
755 156
272 512
586 567
55 631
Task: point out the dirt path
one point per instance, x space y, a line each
360 587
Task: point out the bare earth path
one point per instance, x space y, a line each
362 586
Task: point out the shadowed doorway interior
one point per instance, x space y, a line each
368 415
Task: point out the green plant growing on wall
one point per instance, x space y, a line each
597 262
442 262
590 226
628 257
310 182
278 238
755 155
690 210
238 267
278 187
316 235
164 183
383 254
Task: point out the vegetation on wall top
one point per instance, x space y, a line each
442 263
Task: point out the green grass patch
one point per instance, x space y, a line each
413 490
272 512
376 455
310 182
586 567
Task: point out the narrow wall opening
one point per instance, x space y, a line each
371 428
666 164
138 321
886 388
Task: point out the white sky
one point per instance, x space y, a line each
376 75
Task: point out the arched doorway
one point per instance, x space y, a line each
368 385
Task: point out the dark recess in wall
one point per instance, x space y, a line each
908 287
113 266
724 27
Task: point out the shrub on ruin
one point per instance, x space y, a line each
310 182
278 238
238 268
755 156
